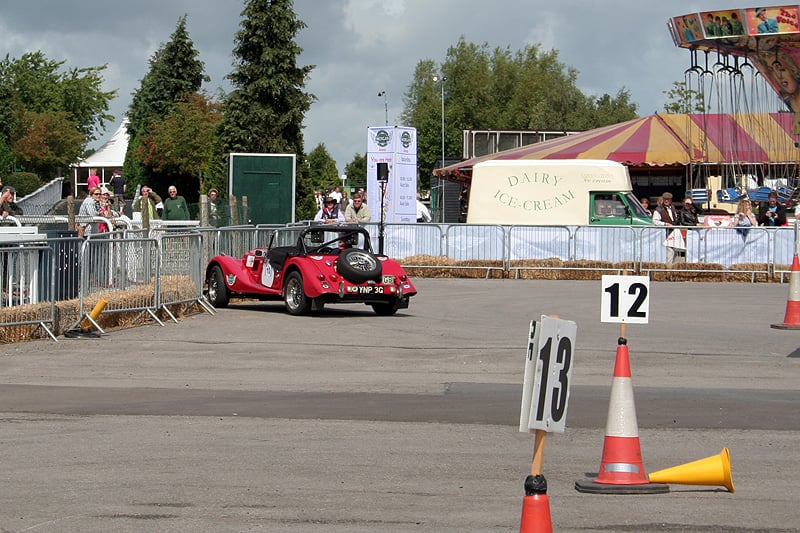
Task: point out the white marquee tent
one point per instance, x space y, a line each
108 157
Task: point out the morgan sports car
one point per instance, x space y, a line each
310 265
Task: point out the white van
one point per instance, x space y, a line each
554 192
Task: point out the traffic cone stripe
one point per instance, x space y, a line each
621 421
791 319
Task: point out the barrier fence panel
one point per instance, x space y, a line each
26 282
236 241
475 242
180 272
122 271
537 242
408 240
614 244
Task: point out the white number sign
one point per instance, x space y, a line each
625 299
548 373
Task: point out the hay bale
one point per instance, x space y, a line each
656 271
484 268
537 268
430 264
696 272
629 267
744 272
587 269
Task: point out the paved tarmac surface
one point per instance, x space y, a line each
253 420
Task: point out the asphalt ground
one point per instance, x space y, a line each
254 420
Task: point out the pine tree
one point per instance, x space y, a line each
175 73
264 112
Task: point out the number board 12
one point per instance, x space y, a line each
625 299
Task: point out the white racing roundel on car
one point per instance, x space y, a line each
267 274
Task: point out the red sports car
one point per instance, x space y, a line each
308 266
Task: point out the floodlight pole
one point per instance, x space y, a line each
385 106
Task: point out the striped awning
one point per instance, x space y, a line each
664 140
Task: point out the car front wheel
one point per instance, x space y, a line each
295 299
218 293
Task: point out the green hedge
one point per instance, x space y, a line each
24 182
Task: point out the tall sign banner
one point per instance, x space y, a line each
397 146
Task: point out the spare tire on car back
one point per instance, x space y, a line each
357 266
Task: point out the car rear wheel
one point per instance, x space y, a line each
218 293
295 299
358 266
385 309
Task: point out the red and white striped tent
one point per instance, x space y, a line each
663 140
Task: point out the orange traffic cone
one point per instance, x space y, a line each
714 470
621 468
535 507
792 318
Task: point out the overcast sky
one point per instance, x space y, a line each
362 47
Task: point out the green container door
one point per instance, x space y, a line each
268 181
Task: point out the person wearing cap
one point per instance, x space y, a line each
675 243
690 214
767 25
7 204
330 212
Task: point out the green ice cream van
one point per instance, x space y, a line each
554 192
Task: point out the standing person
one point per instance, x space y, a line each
330 212
772 214
118 187
175 207
357 211
319 200
90 207
744 217
665 215
344 203
423 215
7 204
213 213
93 180
147 200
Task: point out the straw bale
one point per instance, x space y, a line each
629 267
496 271
658 274
538 268
697 272
743 272
66 311
586 269
428 261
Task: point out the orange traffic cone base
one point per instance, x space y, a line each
592 487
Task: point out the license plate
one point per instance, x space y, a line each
388 280
366 289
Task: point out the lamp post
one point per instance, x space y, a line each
439 216
441 79
385 106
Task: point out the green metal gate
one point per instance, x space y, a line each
268 181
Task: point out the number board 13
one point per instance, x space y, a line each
625 299
548 375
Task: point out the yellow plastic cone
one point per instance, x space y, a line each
714 470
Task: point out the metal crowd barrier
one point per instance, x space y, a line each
144 264
27 278
180 274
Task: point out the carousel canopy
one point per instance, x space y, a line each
664 140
